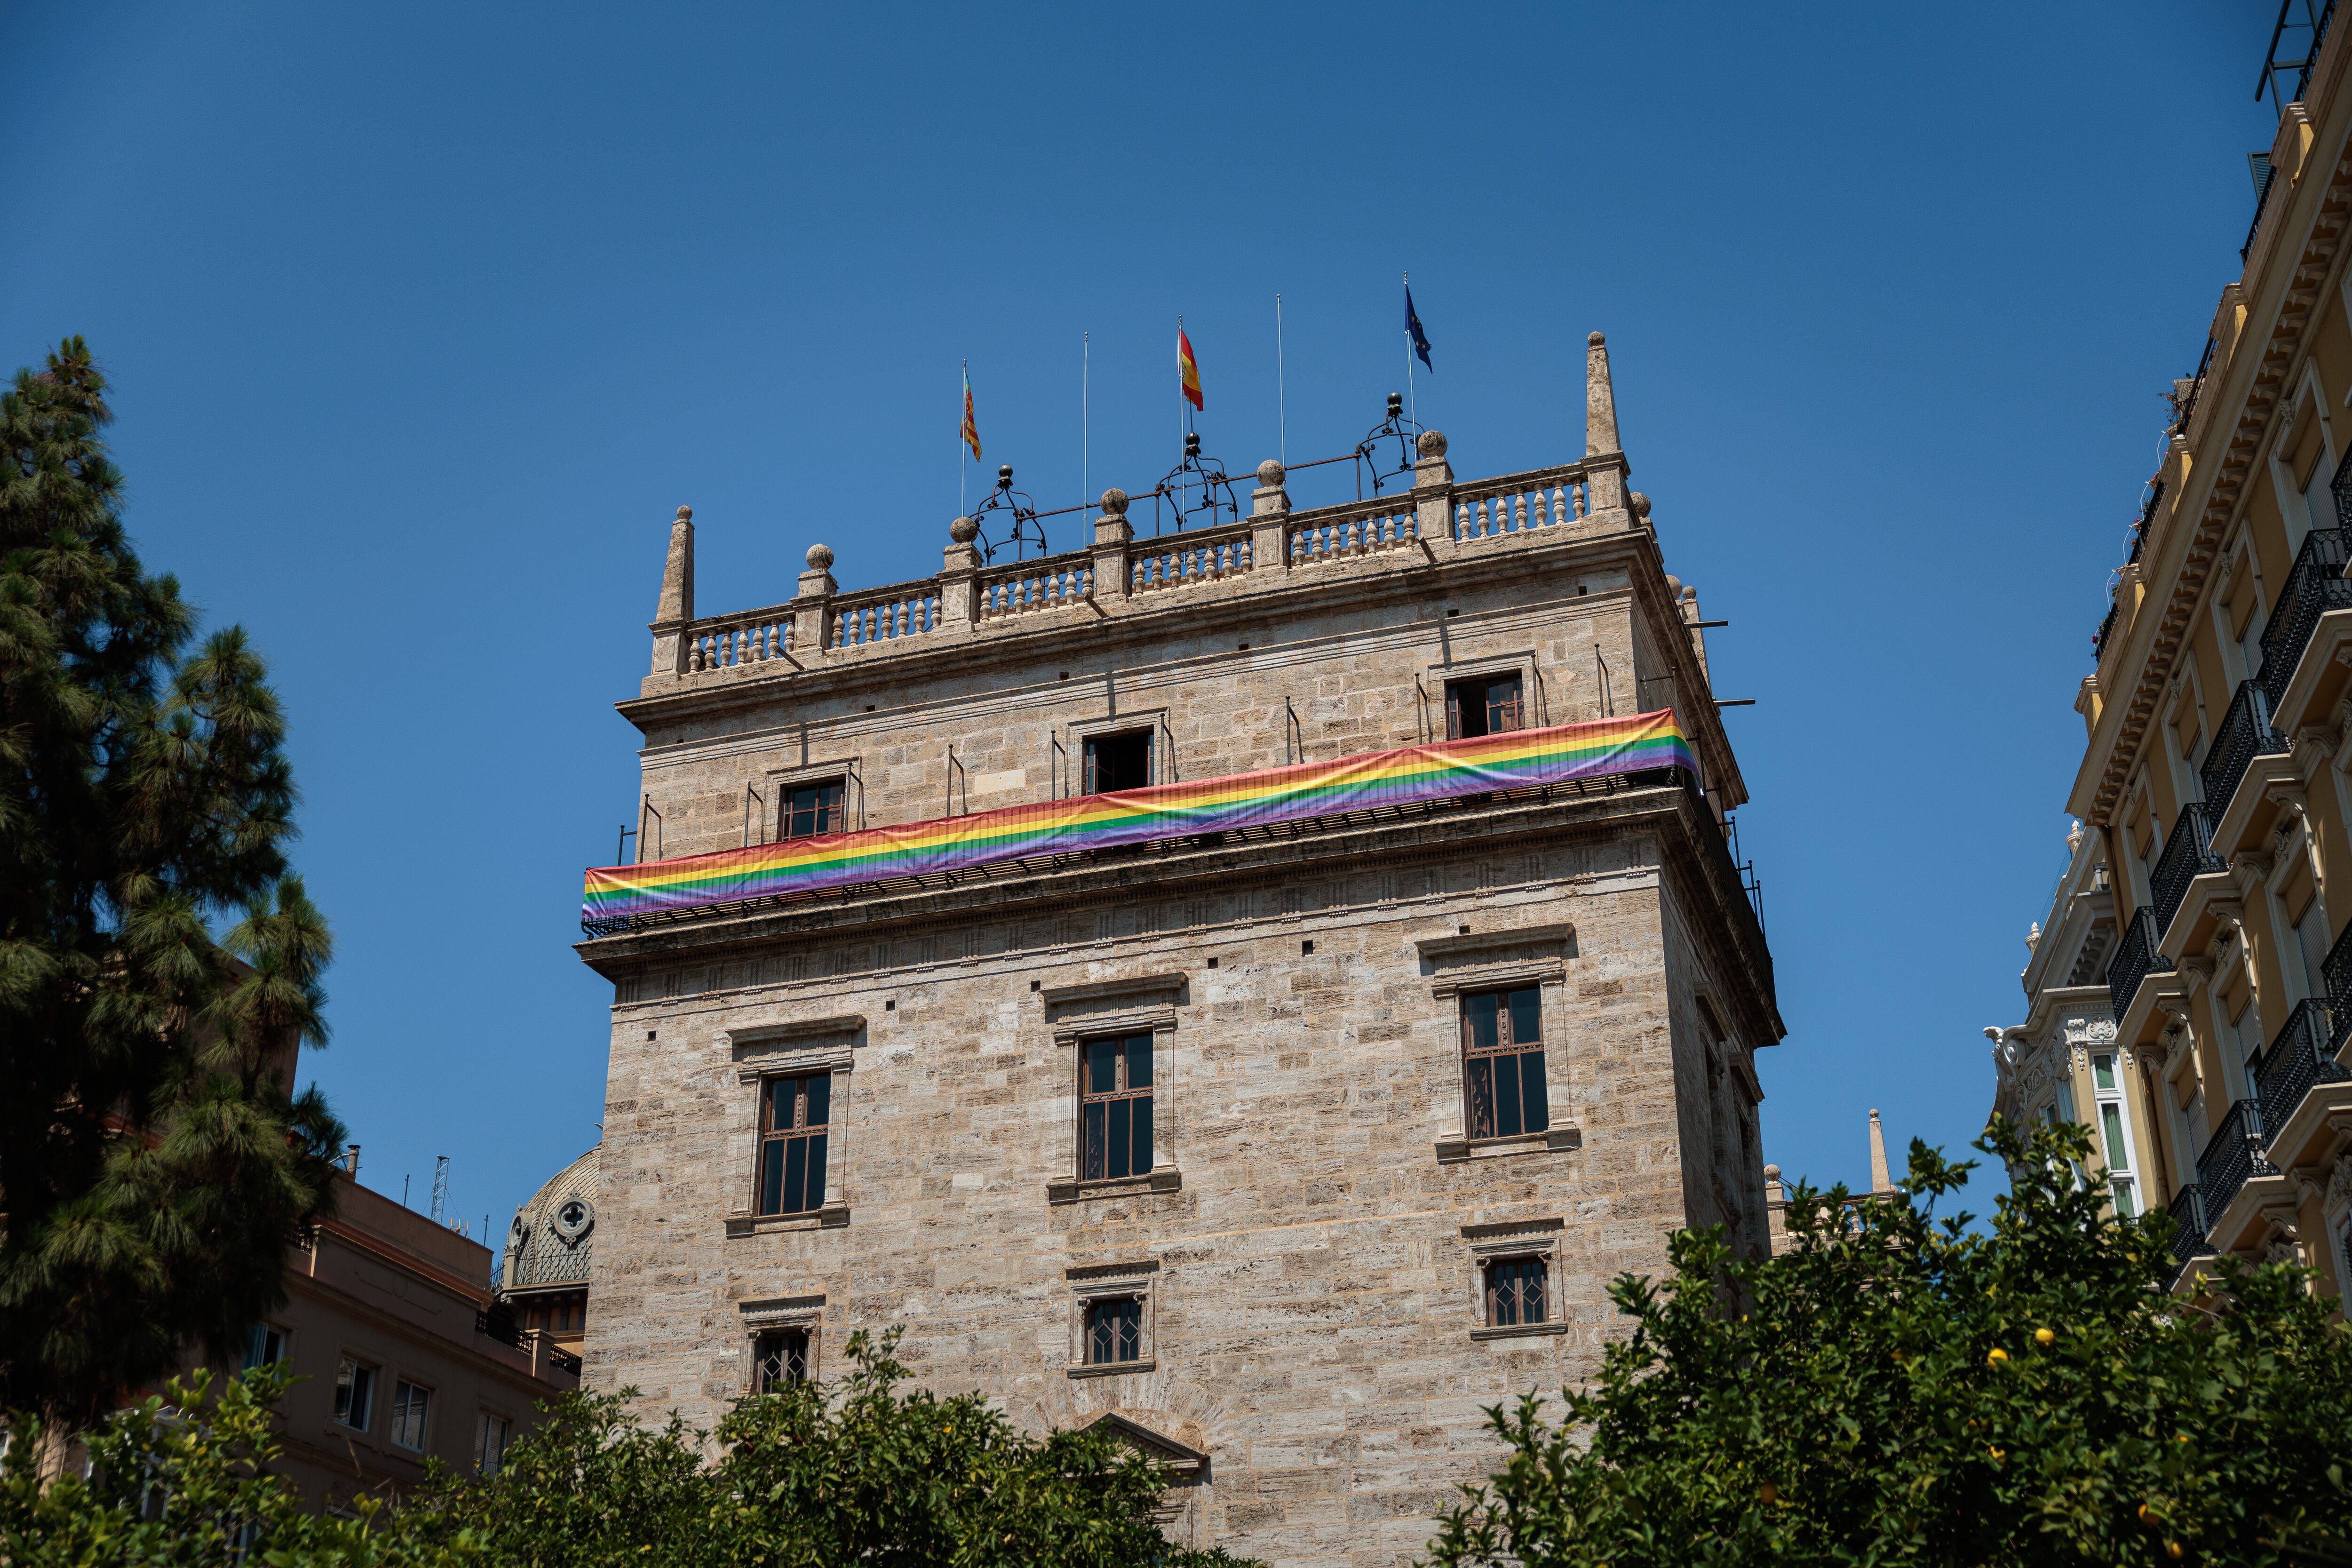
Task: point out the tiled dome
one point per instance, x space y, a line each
549 1241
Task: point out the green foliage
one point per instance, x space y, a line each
153 1166
1884 1393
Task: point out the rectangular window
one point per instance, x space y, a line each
1502 1046
1115 1100
1119 762
491 1435
780 1358
2311 942
1114 1331
808 810
354 1394
264 1345
2114 1145
1486 706
794 1116
409 1405
1515 1291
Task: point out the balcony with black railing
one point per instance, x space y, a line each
2187 855
2243 734
2303 1054
2187 1211
2314 585
2136 959
2335 979
2235 1152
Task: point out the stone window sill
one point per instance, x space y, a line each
1518 1331
830 1217
1073 1192
1110 1368
1452 1151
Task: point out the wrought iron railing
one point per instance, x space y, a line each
2303 1054
498 1326
563 1361
2136 959
2262 202
2187 855
2233 1154
2314 585
2107 629
2188 1212
2335 979
2243 734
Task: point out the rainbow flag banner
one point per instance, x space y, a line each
1517 759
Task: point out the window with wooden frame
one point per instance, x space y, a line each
1115 1107
794 1114
1114 1330
1503 1062
778 1358
810 810
1121 761
1483 705
1515 1292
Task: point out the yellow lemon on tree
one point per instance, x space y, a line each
2172 1550
2147 1514
2043 1337
1998 1356
1768 1493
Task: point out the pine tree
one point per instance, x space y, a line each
155 1165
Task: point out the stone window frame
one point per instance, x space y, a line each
2309 392
1078 731
1510 1240
778 1314
1449 981
794 1048
1431 678
1154 1012
1093 1282
850 769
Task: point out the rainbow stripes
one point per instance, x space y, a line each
1514 759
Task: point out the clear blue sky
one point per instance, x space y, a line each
424 319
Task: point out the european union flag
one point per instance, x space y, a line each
1413 330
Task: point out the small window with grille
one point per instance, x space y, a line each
1122 761
1114 1330
1115 1109
794 1115
810 810
1515 1292
780 1358
1503 1062
1488 705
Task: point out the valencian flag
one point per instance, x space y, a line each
971 430
1413 330
1188 367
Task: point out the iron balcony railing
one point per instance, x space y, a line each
2335 979
563 1361
2314 585
2136 959
2188 1212
2235 1152
2243 734
2303 1054
2106 629
498 1326
2187 855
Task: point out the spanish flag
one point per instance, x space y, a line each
971 430
1188 367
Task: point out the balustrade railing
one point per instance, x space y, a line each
885 615
1364 528
2314 585
2243 734
1045 585
2303 1054
2187 855
2233 1154
2136 959
1524 501
1182 560
754 637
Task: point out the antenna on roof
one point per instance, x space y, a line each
440 1186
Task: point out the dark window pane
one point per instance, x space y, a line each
1138 1062
1118 1145
817 1171
1503 705
1102 1066
1093 1168
1534 1103
1485 1016
1527 1018
819 1100
771 1175
795 1173
1506 1097
1142 1152
780 1091
1482 1097
1119 762
1130 1331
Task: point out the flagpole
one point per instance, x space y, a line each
1086 387
1281 412
967 391
1412 406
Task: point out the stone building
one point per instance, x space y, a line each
544 1276
1285 1151
2218 720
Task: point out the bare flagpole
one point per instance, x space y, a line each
1086 390
1281 412
1412 407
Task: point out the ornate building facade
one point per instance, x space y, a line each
1284 1147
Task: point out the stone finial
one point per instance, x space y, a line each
1772 1172
1271 473
1270 498
1673 586
965 530
1879 1180
817 581
678 572
1690 594
1114 501
1600 399
1639 502
1430 443
820 557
